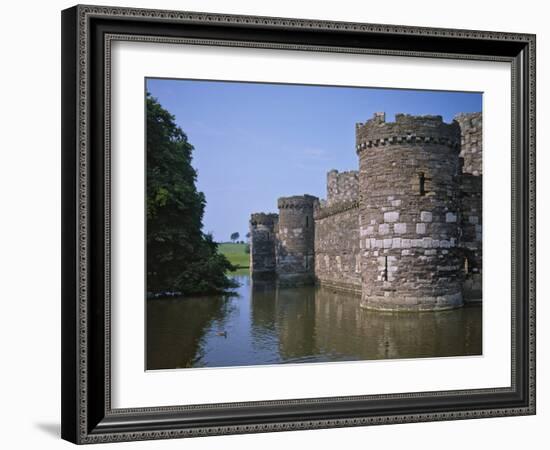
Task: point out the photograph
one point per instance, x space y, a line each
293 223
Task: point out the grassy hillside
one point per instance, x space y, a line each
235 253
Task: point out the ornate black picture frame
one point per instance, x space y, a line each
87 34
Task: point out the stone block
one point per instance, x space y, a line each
391 216
450 217
383 228
427 242
400 228
421 228
426 216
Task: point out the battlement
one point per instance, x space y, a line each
336 208
406 129
266 219
297 202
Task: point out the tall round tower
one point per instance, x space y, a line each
408 213
295 240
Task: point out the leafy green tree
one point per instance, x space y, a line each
180 257
234 236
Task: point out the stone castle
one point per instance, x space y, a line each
403 231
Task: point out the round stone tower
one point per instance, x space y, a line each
263 228
408 213
295 243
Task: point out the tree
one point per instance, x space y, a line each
234 236
180 257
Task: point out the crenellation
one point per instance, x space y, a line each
406 129
404 231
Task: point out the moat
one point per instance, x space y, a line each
264 324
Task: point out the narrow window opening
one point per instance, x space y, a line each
307 221
422 183
466 265
385 276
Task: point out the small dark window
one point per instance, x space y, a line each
422 183
466 265
385 276
307 221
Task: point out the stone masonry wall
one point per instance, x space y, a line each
337 253
408 213
471 200
342 187
471 148
471 239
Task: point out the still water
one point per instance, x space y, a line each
263 324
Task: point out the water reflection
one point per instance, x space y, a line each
265 324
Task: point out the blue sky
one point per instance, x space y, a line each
256 142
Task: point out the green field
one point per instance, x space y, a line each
235 253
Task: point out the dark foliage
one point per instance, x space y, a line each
180 257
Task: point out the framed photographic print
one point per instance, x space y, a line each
276 224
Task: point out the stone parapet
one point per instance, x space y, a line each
406 130
337 208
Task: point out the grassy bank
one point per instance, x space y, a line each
235 253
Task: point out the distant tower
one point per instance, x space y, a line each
295 240
409 213
263 228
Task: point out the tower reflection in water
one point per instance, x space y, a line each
268 324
